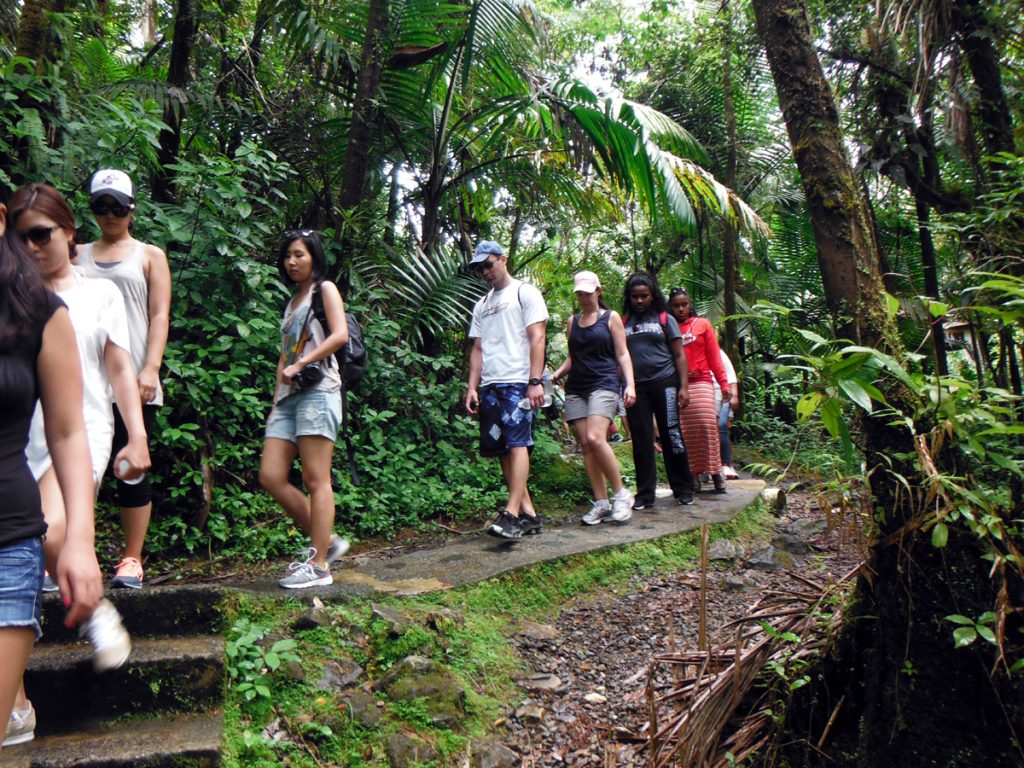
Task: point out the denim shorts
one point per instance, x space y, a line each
304 414
600 402
504 422
21 584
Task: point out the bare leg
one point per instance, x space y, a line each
135 521
591 463
602 455
515 465
315 455
55 516
275 464
15 647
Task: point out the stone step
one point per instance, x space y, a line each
169 741
149 612
181 674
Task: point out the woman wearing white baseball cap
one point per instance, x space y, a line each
594 392
141 273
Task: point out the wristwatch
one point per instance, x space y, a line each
534 382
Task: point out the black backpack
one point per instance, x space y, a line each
351 358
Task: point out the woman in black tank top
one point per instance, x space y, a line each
597 354
38 360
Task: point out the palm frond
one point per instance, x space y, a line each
434 291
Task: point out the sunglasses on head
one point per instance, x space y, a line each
103 208
38 235
292 234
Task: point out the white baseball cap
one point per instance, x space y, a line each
117 184
586 281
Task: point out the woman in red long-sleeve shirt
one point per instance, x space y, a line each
699 419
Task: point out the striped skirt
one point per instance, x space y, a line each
699 421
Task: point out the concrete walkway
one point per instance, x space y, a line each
478 556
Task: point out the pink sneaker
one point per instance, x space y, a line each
128 574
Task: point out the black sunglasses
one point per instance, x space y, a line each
38 235
484 266
292 234
102 209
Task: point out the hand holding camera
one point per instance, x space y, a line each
308 377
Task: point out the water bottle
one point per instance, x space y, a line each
123 467
549 388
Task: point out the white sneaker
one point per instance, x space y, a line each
111 644
729 473
598 513
21 727
337 548
622 505
304 574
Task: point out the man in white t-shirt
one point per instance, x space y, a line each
506 363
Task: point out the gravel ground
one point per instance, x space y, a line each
584 704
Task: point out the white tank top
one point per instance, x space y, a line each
130 278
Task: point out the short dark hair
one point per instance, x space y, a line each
648 281
312 242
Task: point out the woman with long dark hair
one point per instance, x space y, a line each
38 362
660 373
699 418
306 414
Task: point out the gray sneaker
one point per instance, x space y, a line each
21 727
598 513
111 644
622 505
305 574
337 548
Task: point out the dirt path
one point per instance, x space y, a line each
599 650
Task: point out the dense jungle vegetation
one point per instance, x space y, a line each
839 184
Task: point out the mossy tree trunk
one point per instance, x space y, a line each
179 75
894 691
358 155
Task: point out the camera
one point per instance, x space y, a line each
309 376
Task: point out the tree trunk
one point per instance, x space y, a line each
358 157
33 31
894 691
842 226
186 28
8 23
931 285
974 34
730 248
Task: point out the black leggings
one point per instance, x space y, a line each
140 494
658 399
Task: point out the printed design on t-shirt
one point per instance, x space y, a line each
651 326
494 309
293 336
688 338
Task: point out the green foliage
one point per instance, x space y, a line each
251 665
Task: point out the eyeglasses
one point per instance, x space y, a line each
486 266
39 236
102 209
292 234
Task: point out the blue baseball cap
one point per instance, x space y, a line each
484 249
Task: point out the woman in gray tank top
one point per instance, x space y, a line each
306 415
140 271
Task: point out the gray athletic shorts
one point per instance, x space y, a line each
600 402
